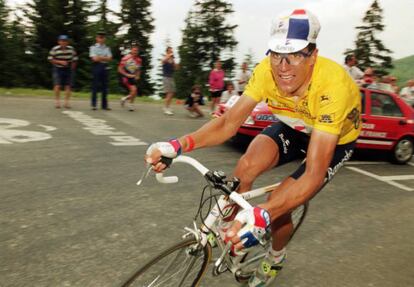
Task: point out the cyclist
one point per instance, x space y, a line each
130 69
318 107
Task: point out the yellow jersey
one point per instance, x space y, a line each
331 104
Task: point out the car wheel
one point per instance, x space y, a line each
403 151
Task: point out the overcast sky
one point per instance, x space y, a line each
338 20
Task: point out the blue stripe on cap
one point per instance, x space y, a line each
298 29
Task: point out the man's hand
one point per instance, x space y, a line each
170 149
256 228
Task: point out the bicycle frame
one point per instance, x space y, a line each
210 223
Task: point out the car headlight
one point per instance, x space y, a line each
249 121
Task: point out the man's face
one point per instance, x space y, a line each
63 43
134 51
290 78
244 66
100 39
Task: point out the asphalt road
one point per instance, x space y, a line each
71 214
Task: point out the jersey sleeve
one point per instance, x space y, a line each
75 56
333 109
123 61
92 52
51 55
256 83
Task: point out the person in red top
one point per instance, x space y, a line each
216 82
130 70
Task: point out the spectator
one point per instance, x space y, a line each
242 78
369 77
228 93
407 93
101 55
168 68
193 102
393 82
64 58
130 69
385 84
352 69
216 82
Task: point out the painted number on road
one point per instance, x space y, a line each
10 134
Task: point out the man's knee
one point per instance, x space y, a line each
247 168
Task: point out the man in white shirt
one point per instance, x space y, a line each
352 69
407 93
242 78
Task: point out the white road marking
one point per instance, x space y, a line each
10 135
381 178
398 177
48 128
101 128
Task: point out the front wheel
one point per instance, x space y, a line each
182 264
403 151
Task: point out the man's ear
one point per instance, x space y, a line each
314 56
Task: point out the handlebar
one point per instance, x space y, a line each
216 178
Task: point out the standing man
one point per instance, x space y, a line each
64 58
130 70
407 93
100 55
352 69
168 68
242 78
318 106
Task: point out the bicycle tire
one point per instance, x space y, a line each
143 274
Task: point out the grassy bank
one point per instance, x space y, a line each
43 93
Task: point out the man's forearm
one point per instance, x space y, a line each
213 133
298 193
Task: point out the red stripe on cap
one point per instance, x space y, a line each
299 12
258 218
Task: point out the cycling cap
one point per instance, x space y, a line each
293 31
63 37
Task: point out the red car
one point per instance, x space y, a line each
387 123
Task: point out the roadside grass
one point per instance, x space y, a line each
43 93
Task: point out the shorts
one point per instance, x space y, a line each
128 82
294 144
216 94
62 76
169 85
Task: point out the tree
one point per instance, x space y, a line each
77 26
250 60
206 38
369 50
4 12
48 19
191 55
216 37
137 21
14 63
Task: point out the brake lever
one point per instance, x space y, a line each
145 173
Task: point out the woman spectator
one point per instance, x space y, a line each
216 82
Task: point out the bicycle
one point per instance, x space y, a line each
185 263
